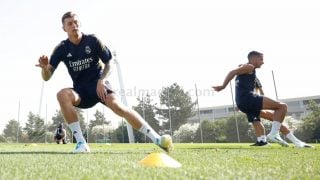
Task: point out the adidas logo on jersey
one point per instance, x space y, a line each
69 55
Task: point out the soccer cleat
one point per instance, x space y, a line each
255 144
303 145
165 143
277 139
260 143
82 148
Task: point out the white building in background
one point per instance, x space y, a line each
297 108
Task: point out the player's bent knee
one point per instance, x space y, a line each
284 107
63 95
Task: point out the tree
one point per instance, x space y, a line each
147 110
11 130
2 139
243 128
56 120
120 134
225 130
178 103
101 133
35 128
99 120
291 123
186 133
212 131
310 127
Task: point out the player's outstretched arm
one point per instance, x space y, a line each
46 67
244 69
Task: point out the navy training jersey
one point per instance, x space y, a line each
82 60
245 84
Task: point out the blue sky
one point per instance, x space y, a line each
159 43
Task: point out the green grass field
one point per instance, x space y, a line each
121 161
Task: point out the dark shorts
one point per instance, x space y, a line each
59 136
251 105
88 94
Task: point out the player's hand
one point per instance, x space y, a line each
43 61
218 88
102 90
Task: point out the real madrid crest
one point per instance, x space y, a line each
87 50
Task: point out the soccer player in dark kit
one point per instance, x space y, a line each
256 106
60 134
87 60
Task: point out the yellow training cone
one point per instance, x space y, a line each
160 160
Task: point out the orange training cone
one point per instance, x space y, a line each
160 160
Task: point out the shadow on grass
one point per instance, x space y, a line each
225 147
71 153
35 152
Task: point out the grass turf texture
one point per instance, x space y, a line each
121 161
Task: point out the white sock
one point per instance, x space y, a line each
76 131
275 127
292 138
148 131
259 139
262 138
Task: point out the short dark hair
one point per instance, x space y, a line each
68 14
253 54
